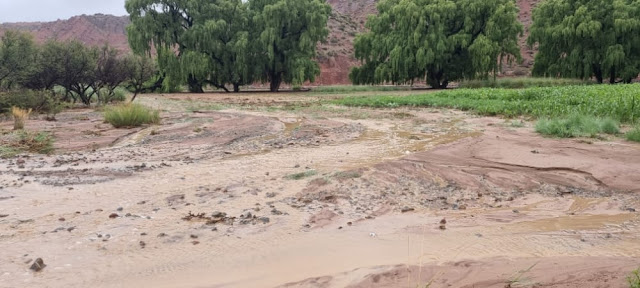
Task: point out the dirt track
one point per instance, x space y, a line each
283 191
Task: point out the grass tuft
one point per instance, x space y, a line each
131 115
634 134
18 142
19 117
301 175
576 126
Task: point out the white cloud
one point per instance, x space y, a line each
51 10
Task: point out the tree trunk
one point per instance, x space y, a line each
194 85
236 87
276 79
598 73
612 77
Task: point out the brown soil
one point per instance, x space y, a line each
271 190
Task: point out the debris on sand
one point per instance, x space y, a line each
38 265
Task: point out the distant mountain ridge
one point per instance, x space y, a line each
92 30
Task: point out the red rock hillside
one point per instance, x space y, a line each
336 55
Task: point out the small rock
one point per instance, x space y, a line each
535 151
71 229
113 215
4 215
443 221
443 227
195 242
162 235
407 209
127 215
143 234
142 202
515 211
143 244
478 235
264 220
193 236
61 219
349 223
631 209
120 209
38 265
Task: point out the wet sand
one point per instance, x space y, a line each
296 194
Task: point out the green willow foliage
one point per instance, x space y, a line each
442 40
587 38
220 42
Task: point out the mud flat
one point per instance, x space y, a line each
274 191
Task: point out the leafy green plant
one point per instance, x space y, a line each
634 279
131 115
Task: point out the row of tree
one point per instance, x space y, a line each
230 43
83 72
439 41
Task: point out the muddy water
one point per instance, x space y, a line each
287 248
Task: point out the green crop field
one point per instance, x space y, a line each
618 102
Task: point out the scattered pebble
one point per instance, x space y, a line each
38 265
113 215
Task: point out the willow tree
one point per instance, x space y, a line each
587 38
288 33
436 40
197 41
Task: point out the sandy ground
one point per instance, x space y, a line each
277 190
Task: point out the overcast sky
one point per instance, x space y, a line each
51 10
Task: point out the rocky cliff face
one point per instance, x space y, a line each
336 55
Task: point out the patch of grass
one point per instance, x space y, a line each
617 102
358 88
301 175
347 175
204 107
577 126
634 134
17 142
634 279
131 115
516 123
522 82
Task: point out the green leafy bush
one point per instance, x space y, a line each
131 115
38 101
